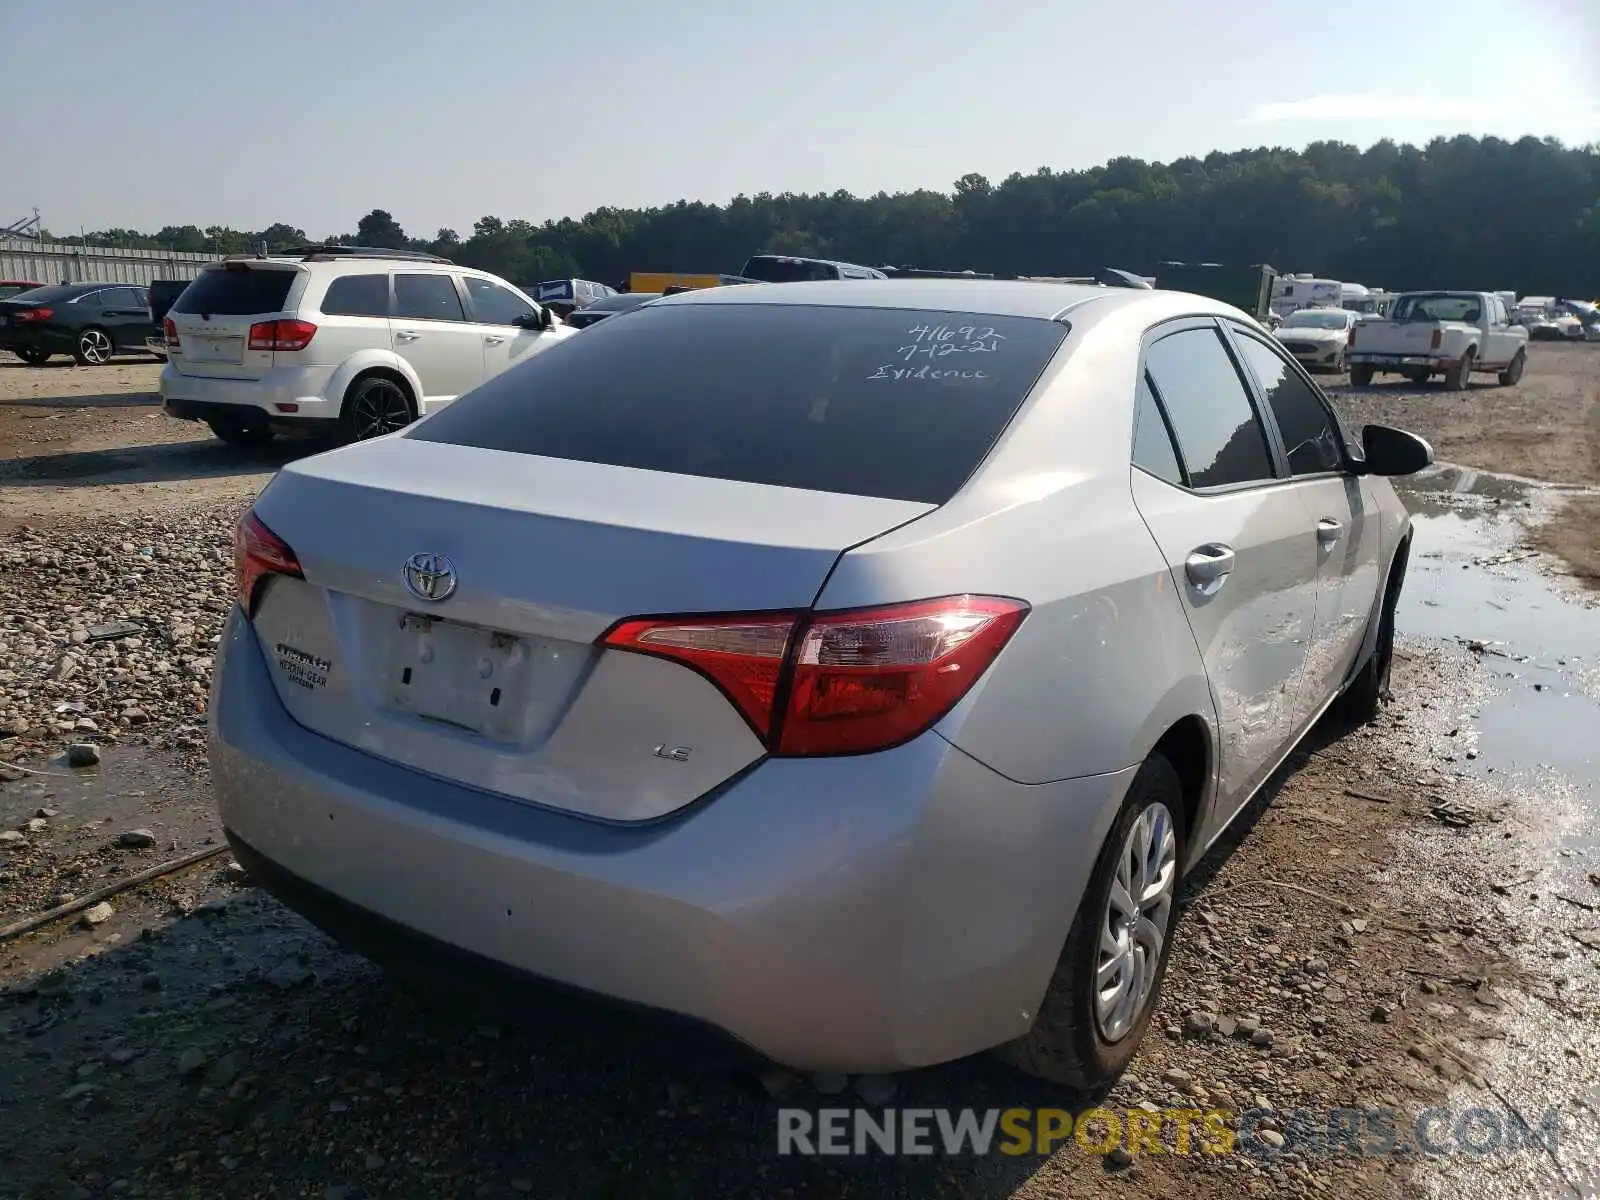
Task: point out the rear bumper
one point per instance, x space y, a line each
54 340
1434 362
290 396
871 913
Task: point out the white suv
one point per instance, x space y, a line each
340 339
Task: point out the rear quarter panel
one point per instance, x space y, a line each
1105 661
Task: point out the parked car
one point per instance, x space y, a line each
163 294
1318 337
340 340
90 321
642 670
15 287
781 268
617 302
1428 333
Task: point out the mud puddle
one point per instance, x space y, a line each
1522 858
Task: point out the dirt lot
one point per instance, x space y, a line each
1409 911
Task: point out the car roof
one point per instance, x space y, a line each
989 297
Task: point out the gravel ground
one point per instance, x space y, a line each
197 1040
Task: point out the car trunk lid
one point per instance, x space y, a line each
499 683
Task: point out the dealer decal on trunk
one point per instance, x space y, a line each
307 670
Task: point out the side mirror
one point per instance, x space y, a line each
1387 451
534 320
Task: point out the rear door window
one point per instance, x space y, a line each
1222 439
865 401
419 297
237 292
357 296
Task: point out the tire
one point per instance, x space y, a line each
1512 375
1340 366
1366 694
1460 373
1361 374
1069 1043
375 405
1420 378
241 430
32 355
94 347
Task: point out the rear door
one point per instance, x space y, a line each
1343 520
430 330
214 314
126 313
1239 546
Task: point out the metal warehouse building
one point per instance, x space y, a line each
59 262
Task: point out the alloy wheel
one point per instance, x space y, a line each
96 346
381 408
1133 928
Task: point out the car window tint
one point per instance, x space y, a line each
1152 441
1221 437
427 298
122 297
495 305
1309 433
863 401
357 296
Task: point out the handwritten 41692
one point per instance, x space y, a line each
938 341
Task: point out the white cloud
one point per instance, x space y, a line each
1367 106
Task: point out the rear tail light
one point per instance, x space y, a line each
24 315
258 553
840 682
281 335
1352 339
169 331
1438 336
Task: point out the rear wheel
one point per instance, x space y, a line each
374 406
242 430
33 356
94 348
1460 373
1419 377
1361 374
1107 981
1512 375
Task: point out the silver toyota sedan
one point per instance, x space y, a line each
853 669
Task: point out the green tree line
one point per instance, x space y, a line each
1458 212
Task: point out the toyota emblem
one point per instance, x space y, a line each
430 576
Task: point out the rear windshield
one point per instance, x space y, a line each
792 270
864 401
1437 306
231 292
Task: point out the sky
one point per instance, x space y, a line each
144 113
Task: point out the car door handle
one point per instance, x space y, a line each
1209 565
1328 530
405 335
494 339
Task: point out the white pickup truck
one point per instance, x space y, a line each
1448 333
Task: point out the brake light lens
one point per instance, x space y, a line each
281 335
743 656
841 682
169 331
258 553
24 315
1352 339
1438 336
